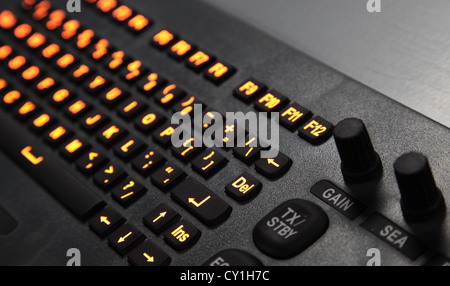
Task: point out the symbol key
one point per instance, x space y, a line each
273 168
201 202
160 218
148 254
105 221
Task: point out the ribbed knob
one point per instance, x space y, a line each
359 161
420 197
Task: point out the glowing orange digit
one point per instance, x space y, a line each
60 95
113 93
101 49
41 10
7 19
70 28
85 39
117 60
22 31
41 120
77 107
50 51
134 69
12 97
138 22
98 81
31 73
122 13
152 82
36 40
56 18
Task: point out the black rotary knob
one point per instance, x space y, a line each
359 161
420 197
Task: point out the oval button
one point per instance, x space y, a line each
290 228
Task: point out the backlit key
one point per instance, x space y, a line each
91 162
316 130
128 192
138 23
249 90
162 39
219 72
108 176
180 50
271 101
128 147
57 135
199 60
74 148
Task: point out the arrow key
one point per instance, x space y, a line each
160 218
273 168
105 221
148 254
125 238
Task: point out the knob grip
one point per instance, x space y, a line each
359 161
420 197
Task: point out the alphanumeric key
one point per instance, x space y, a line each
209 163
147 161
108 176
111 134
91 162
128 147
149 120
128 192
167 176
250 150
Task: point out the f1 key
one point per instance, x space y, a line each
201 202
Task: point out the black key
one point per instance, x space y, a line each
45 86
147 161
74 148
128 192
338 199
125 238
186 106
149 121
93 121
163 135
11 98
116 60
199 60
80 73
57 135
290 228
316 131
232 257
273 168
250 150
181 49
133 72
163 39
201 202
187 151
182 235
151 83
148 254
167 176
113 96
129 147
26 110
169 95
243 188
209 163
129 109
271 101
71 192
219 72
249 90
110 134
91 162
96 84
61 96
294 115
41 123
77 109
394 235
109 176
105 221
160 218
